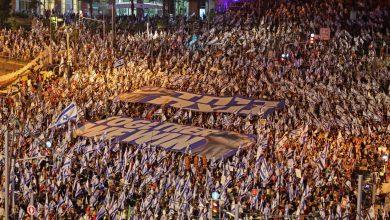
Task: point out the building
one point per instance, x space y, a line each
39 6
124 7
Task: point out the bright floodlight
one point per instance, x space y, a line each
215 195
48 144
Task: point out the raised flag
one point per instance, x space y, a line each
265 171
68 114
193 40
101 213
60 202
46 207
321 161
78 190
119 62
113 210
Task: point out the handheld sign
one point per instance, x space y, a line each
31 210
325 33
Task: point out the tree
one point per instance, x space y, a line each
140 11
132 7
5 7
90 3
34 5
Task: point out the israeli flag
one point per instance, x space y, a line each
101 213
119 63
321 161
265 171
68 114
193 40
113 211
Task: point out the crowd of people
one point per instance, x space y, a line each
20 44
334 126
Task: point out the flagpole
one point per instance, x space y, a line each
6 204
31 199
359 197
236 211
113 14
210 213
13 189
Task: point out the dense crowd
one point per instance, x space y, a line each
20 44
334 126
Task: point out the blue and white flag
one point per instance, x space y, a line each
113 210
119 62
60 202
46 207
78 190
302 204
121 200
101 213
67 163
321 161
68 114
193 40
265 170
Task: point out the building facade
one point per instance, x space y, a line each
39 6
124 7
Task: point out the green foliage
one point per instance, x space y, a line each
212 14
20 15
89 2
161 24
34 4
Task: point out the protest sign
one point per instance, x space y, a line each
325 33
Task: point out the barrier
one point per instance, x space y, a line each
9 78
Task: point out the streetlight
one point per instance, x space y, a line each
312 38
113 14
67 47
7 165
215 209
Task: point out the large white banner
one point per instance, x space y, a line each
170 136
201 103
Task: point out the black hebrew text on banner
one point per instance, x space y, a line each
170 136
201 103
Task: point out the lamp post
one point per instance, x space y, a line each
6 157
359 198
215 206
208 14
113 14
67 47
50 40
